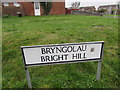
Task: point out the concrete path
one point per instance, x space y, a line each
112 16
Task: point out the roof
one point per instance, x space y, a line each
88 7
32 1
108 5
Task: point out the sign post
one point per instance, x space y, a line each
98 70
99 67
62 54
27 74
28 78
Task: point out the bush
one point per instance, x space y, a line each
46 7
102 10
5 16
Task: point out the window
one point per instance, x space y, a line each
16 4
36 5
5 4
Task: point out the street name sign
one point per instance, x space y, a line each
62 54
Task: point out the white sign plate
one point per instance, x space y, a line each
62 53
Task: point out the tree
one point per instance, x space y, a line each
102 10
75 5
46 7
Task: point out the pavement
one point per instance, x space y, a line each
112 16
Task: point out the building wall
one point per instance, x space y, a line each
58 8
27 9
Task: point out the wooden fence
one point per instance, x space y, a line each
12 11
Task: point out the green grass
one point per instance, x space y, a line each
27 31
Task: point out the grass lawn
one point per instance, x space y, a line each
31 30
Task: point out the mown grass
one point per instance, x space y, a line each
27 31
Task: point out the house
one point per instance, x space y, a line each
70 10
0 9
110 9
31 8
83 9
87 8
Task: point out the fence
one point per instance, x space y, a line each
12 11
76 12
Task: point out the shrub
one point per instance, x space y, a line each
46 7
5 16
102 10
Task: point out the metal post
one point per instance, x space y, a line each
99 70
28 78
99 65
115 15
